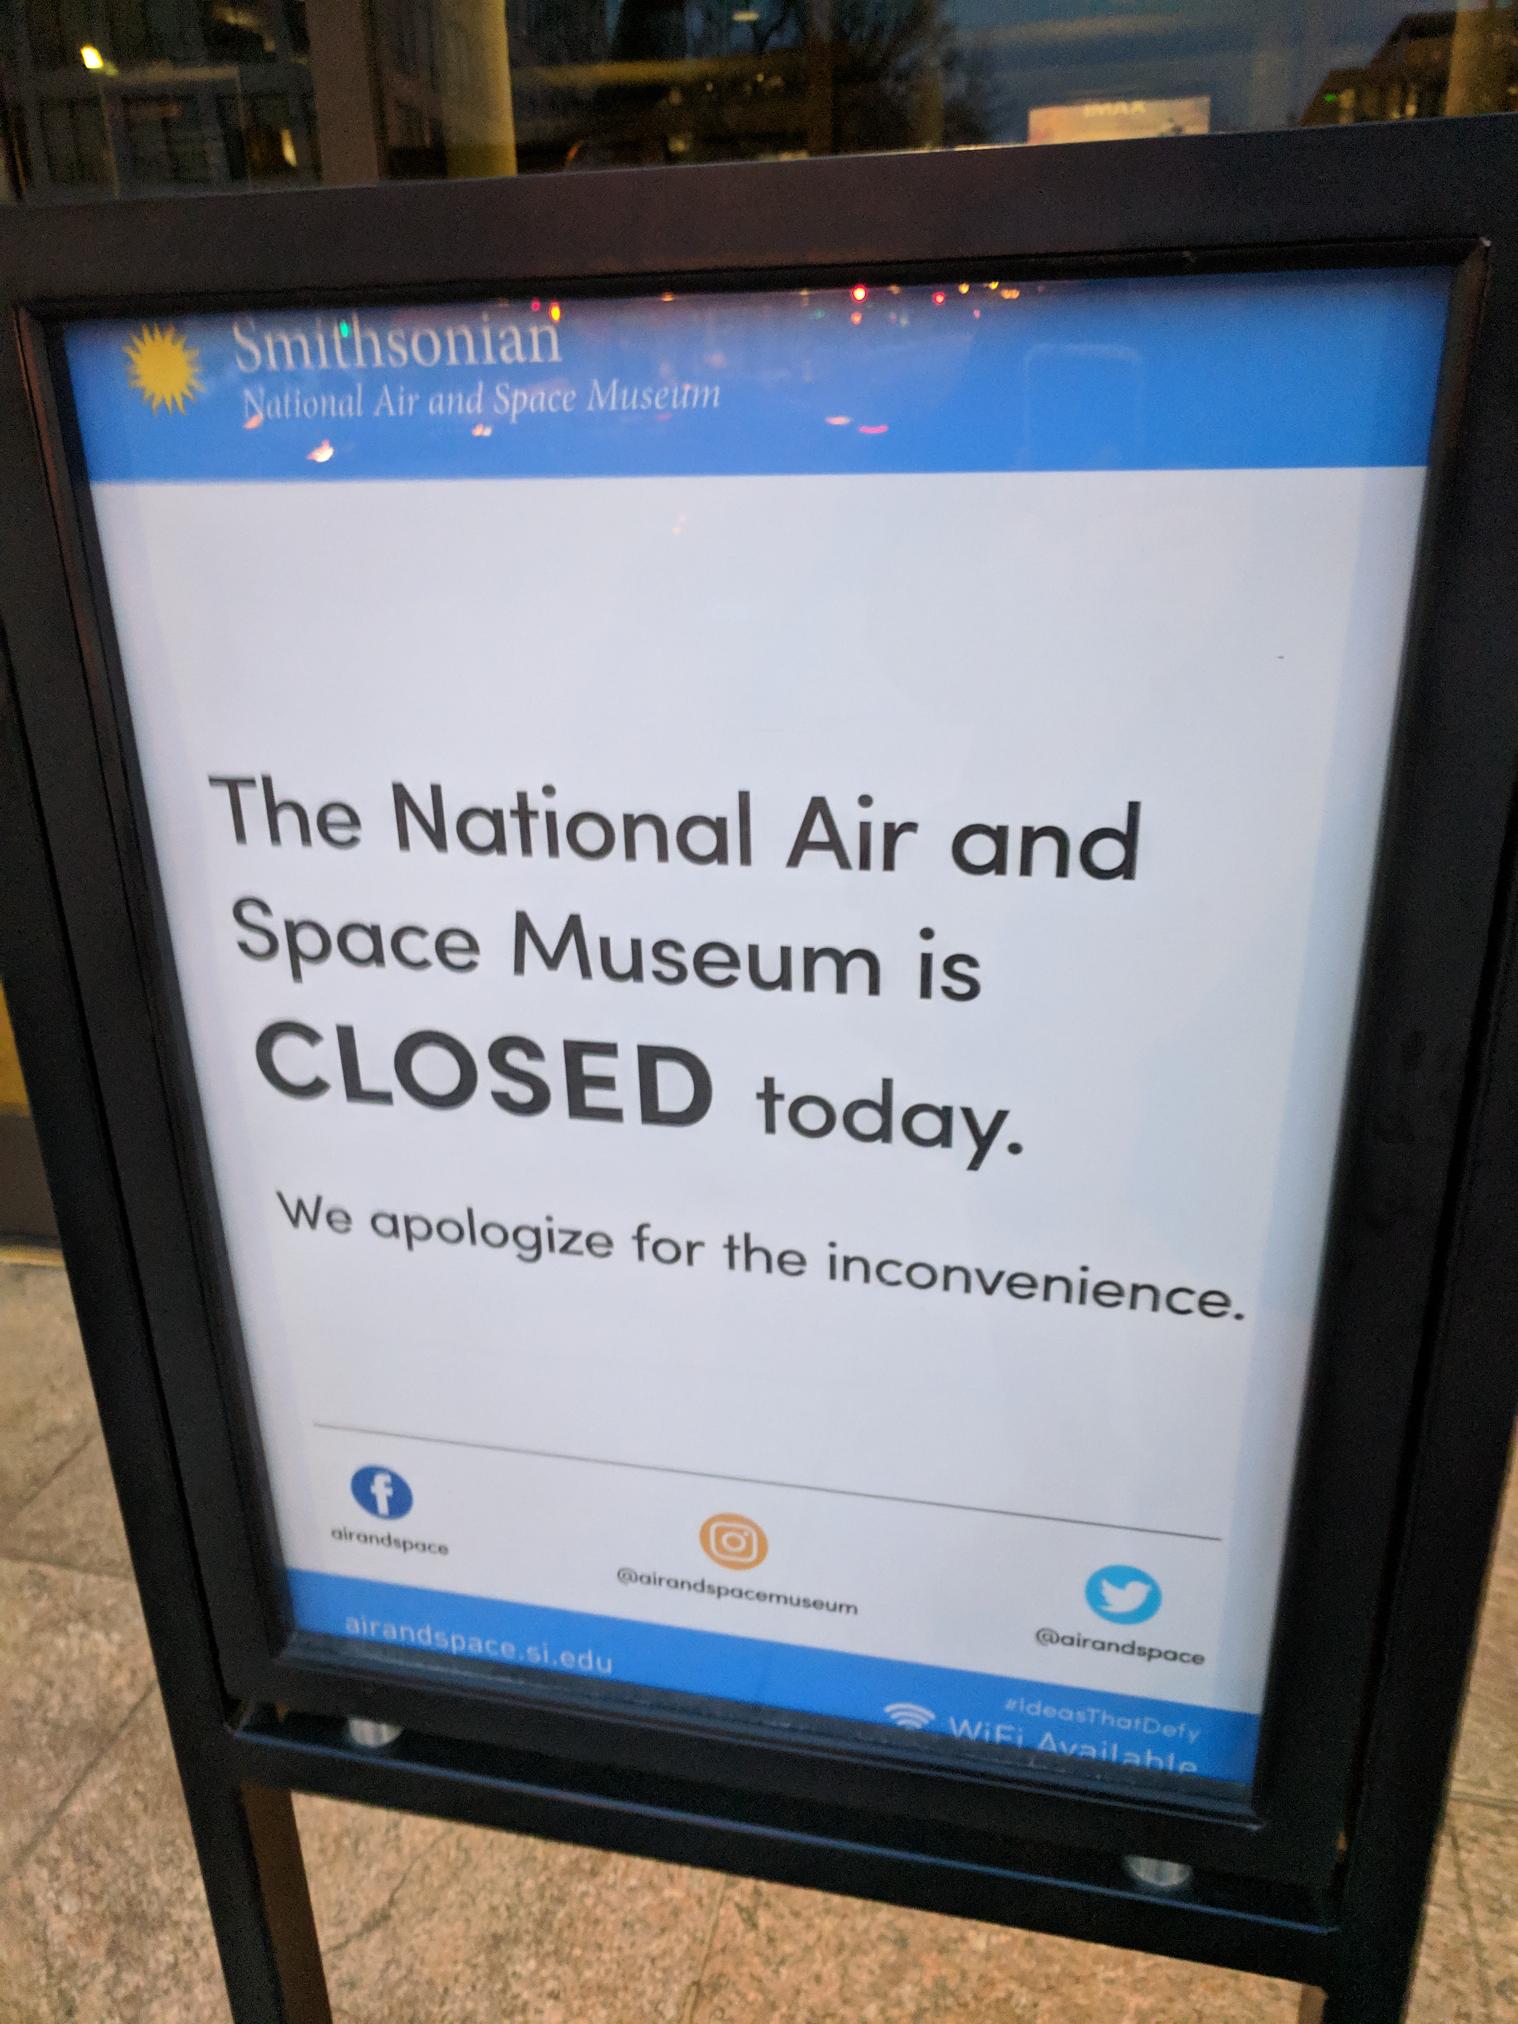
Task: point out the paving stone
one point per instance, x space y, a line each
106 1921
73 1662
1486 1839
799 1957
47 1411
479 1927
74 1520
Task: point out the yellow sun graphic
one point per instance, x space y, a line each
163 368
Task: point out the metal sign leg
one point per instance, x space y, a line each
245 1836
255 1883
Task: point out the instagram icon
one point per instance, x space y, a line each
733 1541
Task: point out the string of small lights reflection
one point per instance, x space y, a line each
858 294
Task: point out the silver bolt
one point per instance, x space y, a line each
1152 1874
371 1735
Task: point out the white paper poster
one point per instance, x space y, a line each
768 893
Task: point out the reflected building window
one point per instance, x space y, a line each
131 96
1465 62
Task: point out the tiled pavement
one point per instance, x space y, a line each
102 1918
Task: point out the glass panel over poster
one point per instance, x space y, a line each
768 892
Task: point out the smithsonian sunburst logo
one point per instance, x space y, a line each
163 368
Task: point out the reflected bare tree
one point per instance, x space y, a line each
903 79
842 78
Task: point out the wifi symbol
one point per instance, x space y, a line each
908 1714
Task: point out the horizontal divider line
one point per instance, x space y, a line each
761 1482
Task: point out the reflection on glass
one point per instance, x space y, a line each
1452 62
102 96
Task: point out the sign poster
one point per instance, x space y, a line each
1118 119
768 892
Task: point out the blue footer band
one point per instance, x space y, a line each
1127 1730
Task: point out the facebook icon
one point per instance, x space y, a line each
382 1493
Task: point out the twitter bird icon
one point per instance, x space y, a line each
1124 1594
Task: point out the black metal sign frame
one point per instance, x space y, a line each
1320 1875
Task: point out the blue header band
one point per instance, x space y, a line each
1206 373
